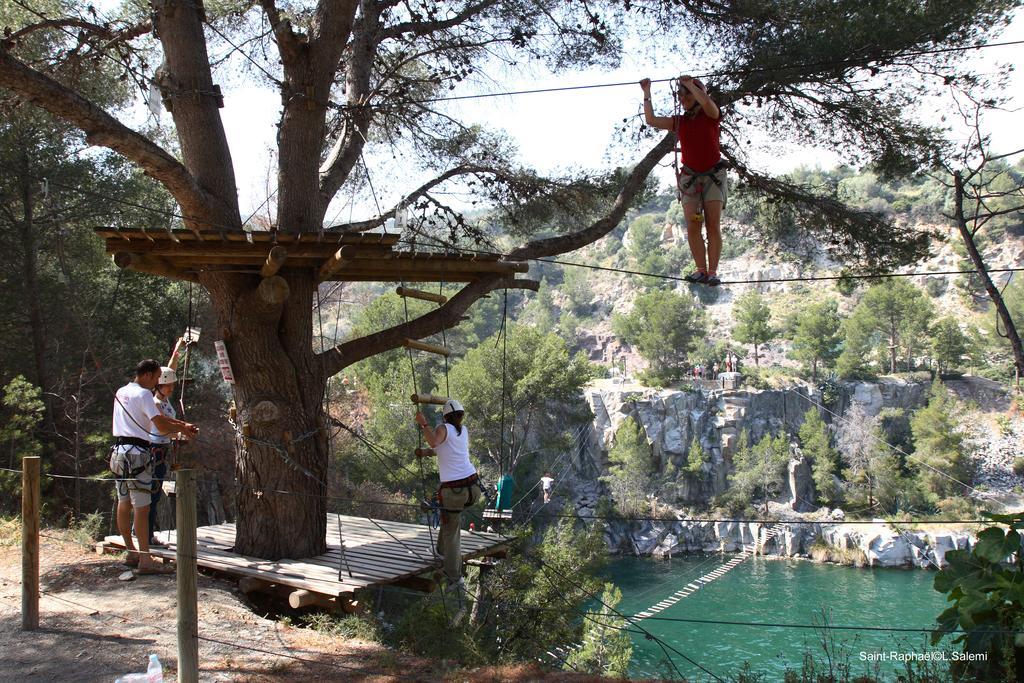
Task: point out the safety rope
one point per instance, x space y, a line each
427 499
503 333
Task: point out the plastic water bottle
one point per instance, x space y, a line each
155 671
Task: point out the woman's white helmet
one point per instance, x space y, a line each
451 406
167 376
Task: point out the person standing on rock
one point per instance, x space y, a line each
460 484
136 422
701 176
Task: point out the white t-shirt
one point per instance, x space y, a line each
453 455
134 411
546 483
167 409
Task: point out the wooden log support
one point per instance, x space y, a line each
425 452
424 346
30 543
429 399
341 258
150 264
275 259
305 598
274 290
188 611
411 293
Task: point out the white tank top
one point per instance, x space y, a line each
453 455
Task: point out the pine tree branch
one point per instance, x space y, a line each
342 356
104 130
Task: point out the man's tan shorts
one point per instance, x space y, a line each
137 489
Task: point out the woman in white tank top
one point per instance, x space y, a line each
460 487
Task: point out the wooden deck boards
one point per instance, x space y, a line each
371 552
371 257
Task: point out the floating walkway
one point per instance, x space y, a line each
689 589
377 552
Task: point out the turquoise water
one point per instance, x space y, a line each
787 591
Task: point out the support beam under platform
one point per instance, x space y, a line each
395 554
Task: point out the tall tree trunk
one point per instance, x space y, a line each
960 219
30 273
282 449
757 362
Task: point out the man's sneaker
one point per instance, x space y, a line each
697 277
712 281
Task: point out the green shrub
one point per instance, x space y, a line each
1018 466
348 626
1005 425
823 551
85 530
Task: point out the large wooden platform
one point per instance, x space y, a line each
377 552
183 254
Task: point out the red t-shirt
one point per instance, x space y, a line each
699 140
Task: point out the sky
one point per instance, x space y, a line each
554 131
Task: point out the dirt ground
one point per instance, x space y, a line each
95 627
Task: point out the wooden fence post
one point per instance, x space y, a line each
188 616
30 543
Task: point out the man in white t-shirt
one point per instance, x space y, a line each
136 423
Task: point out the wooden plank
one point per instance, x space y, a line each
411 293
372 555
424 346
150 264
429 399
392 563
402 276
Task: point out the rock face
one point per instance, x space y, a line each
878 544
672 420
801 484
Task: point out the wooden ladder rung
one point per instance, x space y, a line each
420 294
423 346
427 398
425 453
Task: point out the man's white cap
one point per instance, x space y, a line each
167 376
451 406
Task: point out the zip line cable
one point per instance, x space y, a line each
636 630
435 555
718 622
853 63
624 271
606 518
709 74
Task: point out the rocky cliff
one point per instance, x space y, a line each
874 544
672 419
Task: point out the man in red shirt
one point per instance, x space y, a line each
701 177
